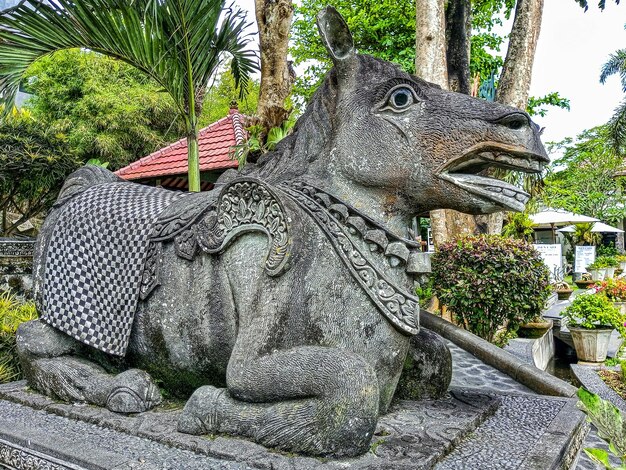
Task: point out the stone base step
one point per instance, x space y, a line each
466 429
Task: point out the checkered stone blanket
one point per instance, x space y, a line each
95 260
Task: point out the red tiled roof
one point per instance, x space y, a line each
214 143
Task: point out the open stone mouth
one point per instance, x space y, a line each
470 172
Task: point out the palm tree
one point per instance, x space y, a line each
178 43
617 125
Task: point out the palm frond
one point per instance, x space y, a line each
617 128
615 65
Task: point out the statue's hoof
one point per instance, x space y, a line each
200 413
133 392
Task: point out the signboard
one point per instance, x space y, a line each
585 255
551 255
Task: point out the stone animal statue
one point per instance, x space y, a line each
281 302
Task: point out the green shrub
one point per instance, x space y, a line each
593 310
607 262
12 313
491 283
607 250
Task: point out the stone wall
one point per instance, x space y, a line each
16 266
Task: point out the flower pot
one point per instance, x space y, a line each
610 273
597 274
583 284
591 345
564 294
622 265
534 329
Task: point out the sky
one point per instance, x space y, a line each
572 47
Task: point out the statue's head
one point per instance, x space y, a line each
385 129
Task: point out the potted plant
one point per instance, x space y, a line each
563 290
610 264
615 291
591 318
597 270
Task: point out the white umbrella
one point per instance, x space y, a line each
551 218
604 228
598 227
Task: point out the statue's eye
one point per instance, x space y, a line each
400 98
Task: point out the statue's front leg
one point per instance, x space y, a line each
310 399
52 364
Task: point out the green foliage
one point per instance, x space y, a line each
608 250
491 282
582 181
177 43
34 162
592 311
535 105
425 293
617 125
106 109
518 225
611 427
12 313
606 261
382 28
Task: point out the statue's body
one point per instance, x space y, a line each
281 301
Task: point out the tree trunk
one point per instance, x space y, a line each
193 174
431 64
514 83
274 20
430 43
458 31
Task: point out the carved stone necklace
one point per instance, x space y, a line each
338 220
209 224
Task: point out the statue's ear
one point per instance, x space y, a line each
336 37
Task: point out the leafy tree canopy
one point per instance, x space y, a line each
34 162
583 181
105 108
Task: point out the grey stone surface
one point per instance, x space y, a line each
91 446
589 378
527 432
489 354
288 282
412 435
470 372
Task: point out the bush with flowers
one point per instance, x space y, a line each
613 289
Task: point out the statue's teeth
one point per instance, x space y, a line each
508 192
